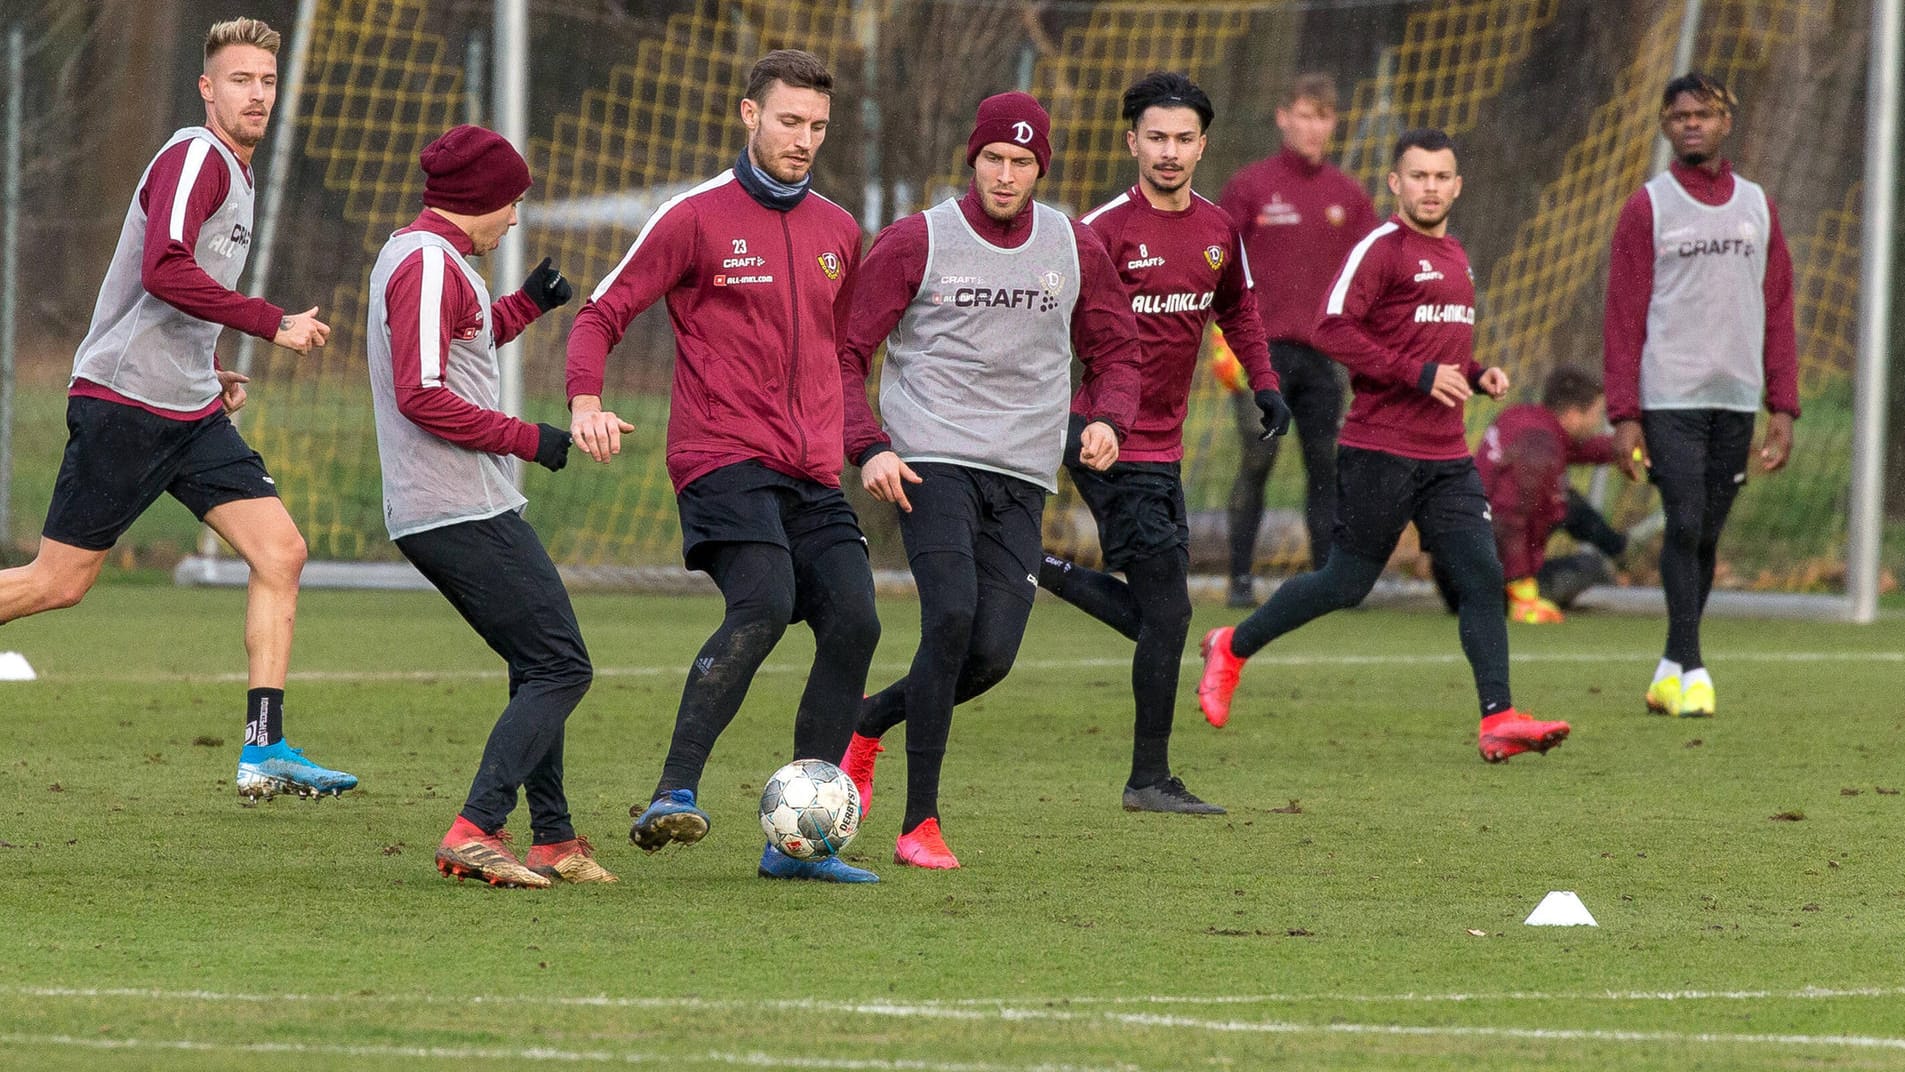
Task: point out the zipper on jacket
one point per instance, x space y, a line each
793 357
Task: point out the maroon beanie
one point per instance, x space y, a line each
1014 118
472 171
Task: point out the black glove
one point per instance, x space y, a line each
546 287
552 446
1276 413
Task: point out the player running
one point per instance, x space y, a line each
752 264
1698 333
1182 263
980 302
450 498
1401 316
147 406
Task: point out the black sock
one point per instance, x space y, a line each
264 716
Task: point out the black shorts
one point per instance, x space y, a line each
1139 507
120 459
1378 494
989 517
749 503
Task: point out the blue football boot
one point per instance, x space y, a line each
777 864
264 771
672 816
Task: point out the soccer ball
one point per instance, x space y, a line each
810 809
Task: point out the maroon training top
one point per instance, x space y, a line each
751 292
1403 302
1182 269
1523 460
1298 221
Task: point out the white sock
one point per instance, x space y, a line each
1698 676
1667 668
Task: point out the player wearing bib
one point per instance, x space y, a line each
1299 216
147 405
754 267
1182 266
1401 316
1698 334
980 302
450 501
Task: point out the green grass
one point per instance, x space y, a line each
152 922
1786 532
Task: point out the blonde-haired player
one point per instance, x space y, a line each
147 404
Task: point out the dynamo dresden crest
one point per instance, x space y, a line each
1214 256
830 264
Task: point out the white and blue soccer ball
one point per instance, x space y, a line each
810 809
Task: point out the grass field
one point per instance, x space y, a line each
1359 908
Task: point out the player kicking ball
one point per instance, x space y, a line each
1181 260
450 499
981 302
1401 316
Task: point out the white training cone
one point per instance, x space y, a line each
1561 908
13 667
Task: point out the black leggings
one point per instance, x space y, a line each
969 635
496 574
1152 606
1313 387
765 590
1699 465
1468 560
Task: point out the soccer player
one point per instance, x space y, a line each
1181 263
1697 335
1401 316
980 302
147 406
450 498
1299 217
752 264
1523 460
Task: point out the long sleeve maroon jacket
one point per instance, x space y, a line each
753 293
1403 303
1182 270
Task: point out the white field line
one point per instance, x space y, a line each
1805 993
751 1059
896 667
1024 1011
